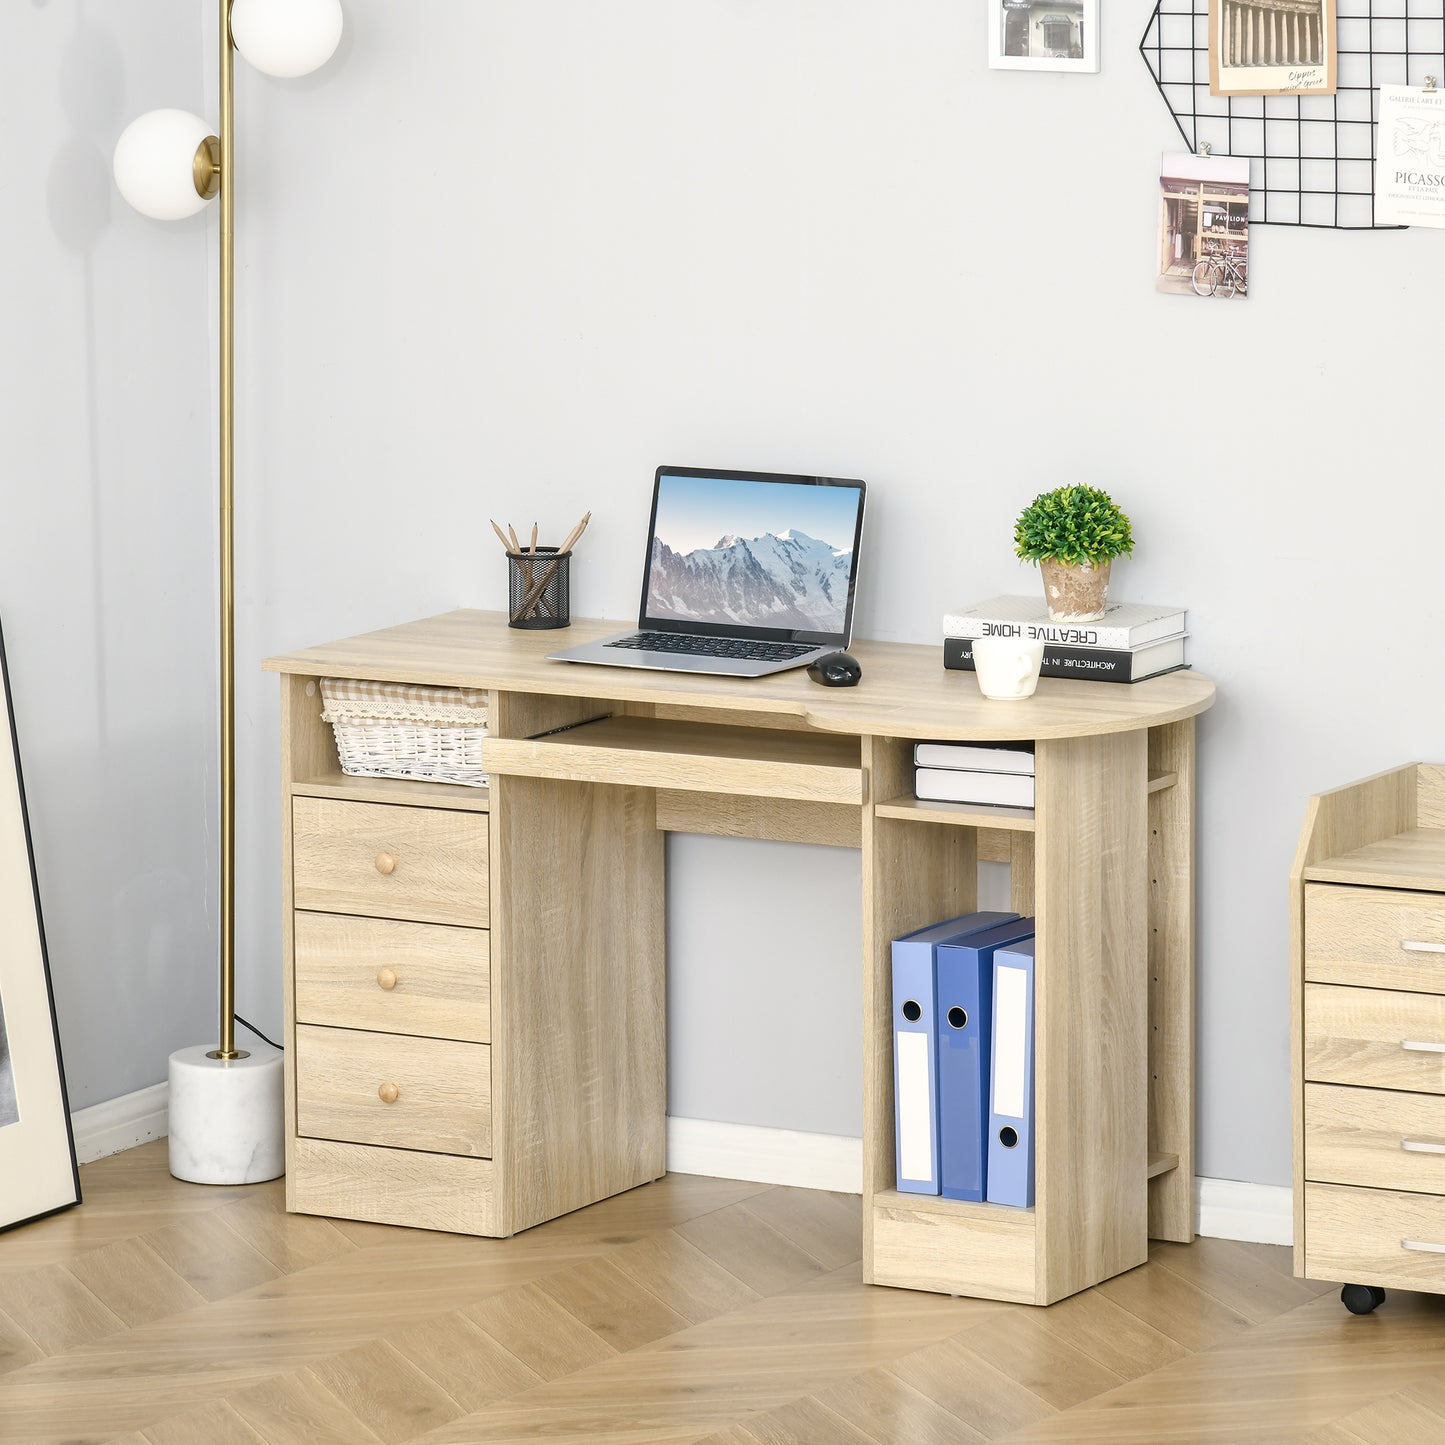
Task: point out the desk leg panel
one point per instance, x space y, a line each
579 993
1091 1010
1171 981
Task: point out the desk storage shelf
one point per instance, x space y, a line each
1368 988
527 1012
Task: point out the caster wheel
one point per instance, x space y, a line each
1361 1299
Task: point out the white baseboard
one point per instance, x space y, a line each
121 1123
1232 1209
765 1156
1224 1208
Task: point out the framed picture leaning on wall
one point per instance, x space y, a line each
1043 35
37 1150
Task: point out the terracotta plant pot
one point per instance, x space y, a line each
1075 594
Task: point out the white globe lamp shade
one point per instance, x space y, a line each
286 38
154 163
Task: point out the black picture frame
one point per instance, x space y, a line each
38 1171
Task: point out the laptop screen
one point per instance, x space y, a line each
753 554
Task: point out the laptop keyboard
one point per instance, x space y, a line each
746 649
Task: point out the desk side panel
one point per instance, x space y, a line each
1091 1010
1171 980
578 980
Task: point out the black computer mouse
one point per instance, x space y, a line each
836 669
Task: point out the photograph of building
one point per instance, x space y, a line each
1203 215
1043 29
1268 47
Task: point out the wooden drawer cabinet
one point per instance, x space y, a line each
364 1088
393 977
474 980
385 861
1368 990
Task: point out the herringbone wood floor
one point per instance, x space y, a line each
161 1313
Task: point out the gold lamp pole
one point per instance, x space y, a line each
228 1049
225 1104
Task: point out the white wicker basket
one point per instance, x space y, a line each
390 730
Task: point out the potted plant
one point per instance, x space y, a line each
1073 533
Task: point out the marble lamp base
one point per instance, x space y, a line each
226 1116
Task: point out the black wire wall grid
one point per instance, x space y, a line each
1312 157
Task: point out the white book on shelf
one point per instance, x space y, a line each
977 757
1123 626
958 785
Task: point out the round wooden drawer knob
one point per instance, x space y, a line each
385 864
388 1093
387 979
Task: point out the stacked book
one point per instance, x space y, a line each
1132 640
997 773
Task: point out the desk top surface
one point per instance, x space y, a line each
905 690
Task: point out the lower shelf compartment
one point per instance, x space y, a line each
952 1246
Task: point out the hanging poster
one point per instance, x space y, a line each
1203 226
1410 167
1272 47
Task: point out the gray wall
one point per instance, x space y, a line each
501 260
106 555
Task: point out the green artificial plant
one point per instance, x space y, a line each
1076 525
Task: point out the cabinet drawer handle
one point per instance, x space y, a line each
1422 1146
387 979
1424 1246
1420 1046
1422 947
385 864
388 1093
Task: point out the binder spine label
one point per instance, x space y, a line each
1010 1012
915 1124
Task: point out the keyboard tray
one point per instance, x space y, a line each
689 756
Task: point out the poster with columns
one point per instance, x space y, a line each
1272 47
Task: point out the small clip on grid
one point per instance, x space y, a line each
1204 149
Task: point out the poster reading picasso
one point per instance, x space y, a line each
1410 169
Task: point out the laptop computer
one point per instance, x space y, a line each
746 573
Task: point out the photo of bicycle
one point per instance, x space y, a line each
1203 226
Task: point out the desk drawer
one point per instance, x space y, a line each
1375 937
390 977
1375 1236
1375 1137
443 1091
1376 1038
387 861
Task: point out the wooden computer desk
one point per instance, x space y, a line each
475 977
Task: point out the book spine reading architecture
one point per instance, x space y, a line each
1093 664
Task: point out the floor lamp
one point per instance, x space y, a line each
225 1103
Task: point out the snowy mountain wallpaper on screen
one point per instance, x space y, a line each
759 575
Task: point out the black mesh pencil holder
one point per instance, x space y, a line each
538 592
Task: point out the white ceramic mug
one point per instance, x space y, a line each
1007 667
